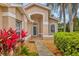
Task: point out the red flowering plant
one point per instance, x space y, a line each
23 34
8 40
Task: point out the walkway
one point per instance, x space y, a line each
42 49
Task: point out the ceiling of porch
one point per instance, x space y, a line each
36 17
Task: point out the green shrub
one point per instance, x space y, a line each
67 42
24 50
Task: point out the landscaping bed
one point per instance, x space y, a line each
26 49
52 47
32 48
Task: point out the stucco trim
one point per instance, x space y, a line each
55 24
4 4
54 18
27 38
36 4
9 14
45 23
15 5
47 35
34 13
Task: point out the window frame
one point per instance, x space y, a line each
20 26
50 32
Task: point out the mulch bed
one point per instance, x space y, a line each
48 43
52 47
31 46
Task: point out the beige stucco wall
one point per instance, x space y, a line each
12 22
29 27
24 22
12 10
7 21
18 15
2 9
1 17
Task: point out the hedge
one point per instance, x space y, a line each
67 43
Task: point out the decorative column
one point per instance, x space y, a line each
56 27
45 26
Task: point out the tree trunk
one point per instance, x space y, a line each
60 11
75 18
70 17
76 10
63 9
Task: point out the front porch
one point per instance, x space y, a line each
39 28
37 25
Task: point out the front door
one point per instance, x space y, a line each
34 30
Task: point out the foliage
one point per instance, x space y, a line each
8 40
67 43
76 24
60 27
67 27
25 52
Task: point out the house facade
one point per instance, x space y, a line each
33 18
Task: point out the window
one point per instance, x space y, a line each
18 26
52 28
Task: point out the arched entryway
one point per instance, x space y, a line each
37 24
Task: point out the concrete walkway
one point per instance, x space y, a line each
42 49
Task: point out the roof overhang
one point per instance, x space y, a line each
4 4
36 4
54 18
